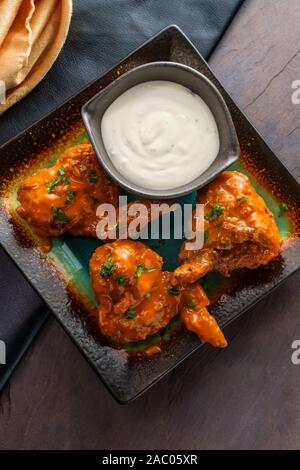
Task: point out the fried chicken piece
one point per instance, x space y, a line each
123 274
136 299
65 197
55 200
196 317
240 231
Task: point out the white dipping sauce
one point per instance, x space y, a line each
160 135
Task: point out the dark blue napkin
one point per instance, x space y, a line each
102 32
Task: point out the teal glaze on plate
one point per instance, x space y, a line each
74 253
79 138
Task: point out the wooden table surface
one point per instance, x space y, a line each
244 397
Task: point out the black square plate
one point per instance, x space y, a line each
61 277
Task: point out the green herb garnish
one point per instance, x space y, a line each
122 280
108 267
142 269
95 199
205 236
283 208
51 185
225 245
166 336
191 304
243 198
130 314
61 171
70 197
59 215
214 213
172 290
59 179
147 296
93 178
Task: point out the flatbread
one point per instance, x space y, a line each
9 10
41 44
16 47
49 31
43 11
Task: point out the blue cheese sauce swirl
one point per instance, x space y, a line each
160 135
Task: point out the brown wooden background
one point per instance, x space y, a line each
248 395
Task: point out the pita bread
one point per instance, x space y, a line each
43 11
40 45
16 46
49 27
9 10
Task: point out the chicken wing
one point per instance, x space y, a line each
65 197
240 231
58 199
136 299
197 318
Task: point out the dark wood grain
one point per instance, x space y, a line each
244 397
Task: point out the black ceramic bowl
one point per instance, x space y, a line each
94 109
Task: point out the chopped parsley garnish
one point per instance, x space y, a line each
95 199
142 269
59 179
225 245
214 213
191 304
283 208
108 267
122 280
172 290
93 178
130 314
70 197
51 185
166 336
243 198
59 215
205 236
61 171
147 296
